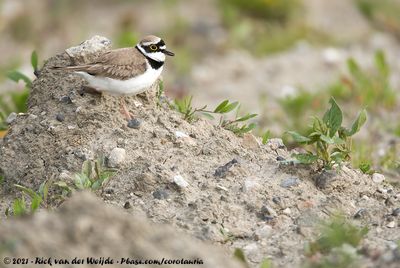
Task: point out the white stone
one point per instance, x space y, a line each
264 232
94 44
287 211
391 224
11 118
250 184
116 157
332 55
180 181
180 134
378 178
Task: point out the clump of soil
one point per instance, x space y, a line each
234 192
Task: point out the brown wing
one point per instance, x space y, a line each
123 64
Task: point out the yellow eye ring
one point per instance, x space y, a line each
153 47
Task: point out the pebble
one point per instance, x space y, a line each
66 99
280 158
289 182
222 170
378 178
250 142
127 205
325 178
160 194
134 123
180 134
391 224
287 211
396 212
180 181
11 118
250 184
267 213
60 117
116 157
276 143
361 213
70 127
264 232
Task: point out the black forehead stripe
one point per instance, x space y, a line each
161 43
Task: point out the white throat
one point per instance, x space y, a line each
157 56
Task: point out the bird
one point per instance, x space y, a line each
125 71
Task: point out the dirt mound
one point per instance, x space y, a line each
200 178
85 228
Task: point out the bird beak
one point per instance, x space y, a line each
169 53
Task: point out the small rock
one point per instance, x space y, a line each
391 224
277 200
11 118
266 213
160 194
222 170
65 175
289 182
280 158
180 181
378 178
116 157
127 205
396 212
325 178
250 184
69 127
87 50
264 232
60 117
134 123
32 117
180 134
287 211
66 99
276 143
250 142
361 213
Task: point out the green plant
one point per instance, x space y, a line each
236 125
20 207
16 101
93 176
370 89
336 245
332 142
266 136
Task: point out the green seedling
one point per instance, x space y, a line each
336 245
370 89
37 199
236 125
17 101
331 141
93 175
266 136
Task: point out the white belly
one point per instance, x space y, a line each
131 86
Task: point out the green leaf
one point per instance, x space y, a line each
266 264
208 115
239 254
44 190
16 76
221 106
298 137
266 136
229 107
381 64
353 67
245 118
19 207
87 168
34 60
35 203
305 158
333 117
334 140
358 123
31 193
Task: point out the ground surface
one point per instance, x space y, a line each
265 206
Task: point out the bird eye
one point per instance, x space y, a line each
153 47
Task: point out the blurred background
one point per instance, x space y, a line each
281 59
